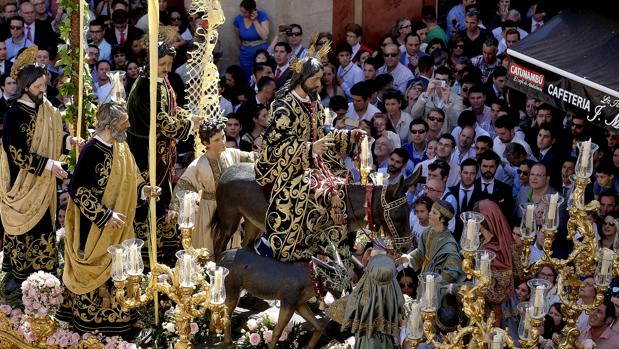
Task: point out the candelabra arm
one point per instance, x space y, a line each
532 343
202 254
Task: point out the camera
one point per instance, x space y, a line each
440 83
284 28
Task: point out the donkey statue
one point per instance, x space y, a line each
239 196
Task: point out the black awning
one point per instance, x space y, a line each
572 62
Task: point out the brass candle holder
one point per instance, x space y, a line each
479 332
585 259
185 284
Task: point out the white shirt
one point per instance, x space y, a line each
401 76
105 51
117 33
403 125
499 147
490 186
498 33
454 171
32 29
469 193
458 156
225 105
351 113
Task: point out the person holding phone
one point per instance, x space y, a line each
252 28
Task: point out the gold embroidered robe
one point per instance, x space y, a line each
298 216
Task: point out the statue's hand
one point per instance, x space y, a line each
357 134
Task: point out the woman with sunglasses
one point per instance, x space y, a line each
252 29
523 171
400 29
456 51
608 236
182 25
406 278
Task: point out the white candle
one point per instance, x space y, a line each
539 297
117 266
552 207
218 279
328 119
470 231
414 318
528 218
607 262
133 259
586 152
429 290
380 178
364 153
484 265
497 341
186 271
186 207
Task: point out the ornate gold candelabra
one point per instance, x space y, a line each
480 332
185 284
582 260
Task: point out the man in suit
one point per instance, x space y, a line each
548 154
122 33
281 54
464 192
36 31
5 64
488 187
9 88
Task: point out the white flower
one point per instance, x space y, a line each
252 324
169 326
329 299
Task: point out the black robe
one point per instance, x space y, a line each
172 125
36 249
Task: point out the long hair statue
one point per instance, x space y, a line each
203 89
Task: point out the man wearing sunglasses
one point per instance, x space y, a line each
401 74
294 37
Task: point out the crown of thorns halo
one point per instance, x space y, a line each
297 64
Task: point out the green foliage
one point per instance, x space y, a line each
67 56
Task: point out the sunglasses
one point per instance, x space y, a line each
612 224
405 26
459 46
435 119
294 34
175 18
393 54
576 126
408 285
521 172
417 131
16 28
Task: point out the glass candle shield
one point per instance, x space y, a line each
186 268
604 270
415 322
470 234
429 285
551 204
118 272
133 256
539 288
217 287
483 260
117 91
524 327
186 209
584 164
528 224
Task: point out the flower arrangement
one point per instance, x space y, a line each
167 336
62 337
259 332
348 344
41 294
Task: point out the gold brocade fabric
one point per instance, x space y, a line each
84 272
89 312
24 204
501 287
299 217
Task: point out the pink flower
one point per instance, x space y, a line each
51 341
75 338
329 299
284 336
43 311
268 335
5 308
273 317
254 339
63 342
50 283
194 328
36 305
